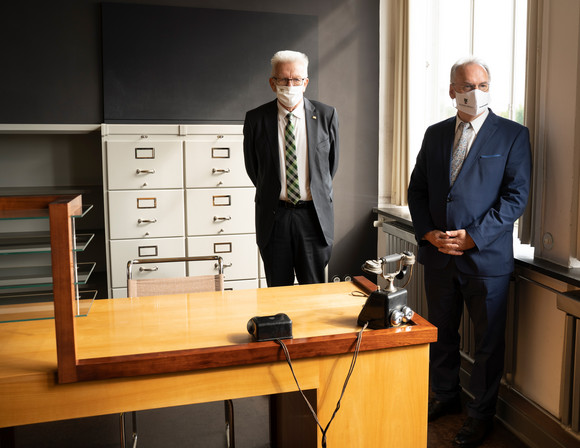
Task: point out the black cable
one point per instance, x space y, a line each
350 371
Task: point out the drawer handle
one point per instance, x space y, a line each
220 171
221 218
145 171
225 265
153 269
146 221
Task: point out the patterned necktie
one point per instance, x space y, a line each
292 186
460 151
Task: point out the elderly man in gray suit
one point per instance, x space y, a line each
291 155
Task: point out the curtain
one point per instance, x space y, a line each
399 113
529 224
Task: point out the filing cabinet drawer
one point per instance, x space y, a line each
215 162
144 165
146 214
216 211
235 285
239 252
119 293
124 250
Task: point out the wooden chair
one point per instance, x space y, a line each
176 285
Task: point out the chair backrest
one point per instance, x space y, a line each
178 285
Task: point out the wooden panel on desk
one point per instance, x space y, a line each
204 336
387 391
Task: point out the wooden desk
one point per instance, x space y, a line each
384 405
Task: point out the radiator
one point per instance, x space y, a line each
398 238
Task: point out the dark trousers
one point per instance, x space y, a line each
296 246
486 300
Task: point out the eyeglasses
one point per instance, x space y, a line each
466 87
289 81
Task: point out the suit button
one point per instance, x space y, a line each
449 198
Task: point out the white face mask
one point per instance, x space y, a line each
472 103
289 96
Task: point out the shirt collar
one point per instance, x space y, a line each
299 112
476 124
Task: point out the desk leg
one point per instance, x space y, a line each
385 402
291 422
7 438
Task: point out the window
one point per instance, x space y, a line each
443 31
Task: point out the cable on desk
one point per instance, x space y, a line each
358 294
350 371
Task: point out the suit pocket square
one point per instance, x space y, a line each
490 156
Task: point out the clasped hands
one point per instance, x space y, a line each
452 242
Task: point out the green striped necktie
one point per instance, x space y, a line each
292 186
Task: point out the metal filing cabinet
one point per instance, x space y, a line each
175 190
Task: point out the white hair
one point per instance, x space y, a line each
468 61
285 56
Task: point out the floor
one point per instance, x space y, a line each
442 431
202 426
194 426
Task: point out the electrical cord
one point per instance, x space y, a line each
358 294
350 371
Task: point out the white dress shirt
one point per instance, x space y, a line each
475 125
301 151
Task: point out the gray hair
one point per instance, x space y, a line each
285 56
468 61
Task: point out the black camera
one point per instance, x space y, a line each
270 328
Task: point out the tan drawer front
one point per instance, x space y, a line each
215 163
146 214
216 211
144 165
124 250
239 252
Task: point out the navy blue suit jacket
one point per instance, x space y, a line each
262 159
488 196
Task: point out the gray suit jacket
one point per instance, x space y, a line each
262 160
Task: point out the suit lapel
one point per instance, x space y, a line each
449 137
271 125
487 130
311 118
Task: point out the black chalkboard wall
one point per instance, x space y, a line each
190 65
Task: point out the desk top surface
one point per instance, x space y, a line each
117 327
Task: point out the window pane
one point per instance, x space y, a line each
443 31
433 48
453 43
495 47
519 74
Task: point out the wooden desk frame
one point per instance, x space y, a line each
388 391
72 369
60 208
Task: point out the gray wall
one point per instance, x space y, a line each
52 73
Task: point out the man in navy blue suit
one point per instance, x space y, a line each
469 185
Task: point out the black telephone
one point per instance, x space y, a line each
386 308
